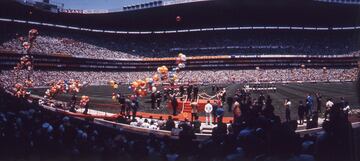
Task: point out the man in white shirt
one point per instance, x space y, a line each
287 105
153 125
145 124
208 110
133 123
329 104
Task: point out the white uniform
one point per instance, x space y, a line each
329 104
288 104
208 110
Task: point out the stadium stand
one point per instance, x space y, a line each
232 48
100 46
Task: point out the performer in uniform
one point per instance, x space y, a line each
208 113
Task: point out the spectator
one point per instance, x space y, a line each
196 124
170 124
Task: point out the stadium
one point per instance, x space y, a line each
180 80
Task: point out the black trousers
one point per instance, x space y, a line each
134 113
287 114
229 107
86 110
152 104
318 108
301 118
327 112
72 108
174 106
122 110
193 115
158 103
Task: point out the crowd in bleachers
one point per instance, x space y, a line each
27 129
42 78
196 44
65 46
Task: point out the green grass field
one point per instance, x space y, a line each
100 96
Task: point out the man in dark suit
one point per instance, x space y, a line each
121 99
229 102
86 108
174 103
158 99
196 91
181 90
153 100
73 102
189 91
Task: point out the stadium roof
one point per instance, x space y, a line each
199 15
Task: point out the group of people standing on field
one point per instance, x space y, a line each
128 104
241 104
189 93
311 110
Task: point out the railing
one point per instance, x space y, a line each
146 131
210 29
340 1
174 2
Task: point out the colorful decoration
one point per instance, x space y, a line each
26 63
20 90
142 87
61 86
114 84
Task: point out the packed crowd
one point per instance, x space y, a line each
42 78
67 47
195 44
26 128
